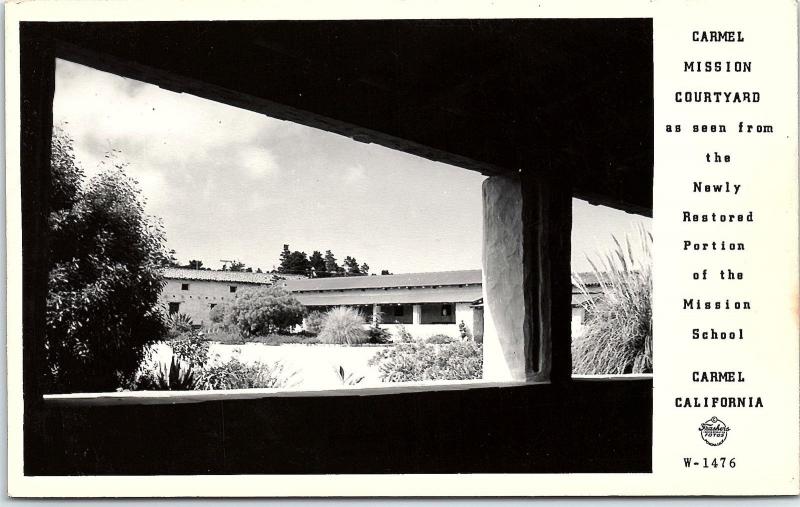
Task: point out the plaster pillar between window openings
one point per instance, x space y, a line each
526 277
376 313
503 276
417 315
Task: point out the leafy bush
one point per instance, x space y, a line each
217 314
147 381
618 329
287 339
104 276
230 374
314 322
191 347
403 335
377 334
172 377
415 361
343 325
234 374
439 339
228 338
264 310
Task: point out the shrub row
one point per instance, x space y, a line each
417 361
190 369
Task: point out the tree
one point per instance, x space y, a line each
264 310
294 262
238 266
285 254
105 260
317 263
330 263
385 272
170 261
195 264
351 266
298 263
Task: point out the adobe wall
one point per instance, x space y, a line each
196 302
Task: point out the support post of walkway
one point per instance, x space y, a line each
547 218
417 315
526 278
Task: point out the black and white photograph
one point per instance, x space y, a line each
435 211
323 247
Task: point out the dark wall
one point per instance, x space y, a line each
569 96
590 426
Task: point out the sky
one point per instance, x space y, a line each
228 183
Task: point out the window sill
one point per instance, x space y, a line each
171 397
175 397
626 376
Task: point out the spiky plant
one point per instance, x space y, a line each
343 325
178 323
171 377
348 378
618 328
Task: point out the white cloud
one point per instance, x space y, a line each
105 111
230 183
355 173
256 161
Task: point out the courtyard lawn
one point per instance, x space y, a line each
315 366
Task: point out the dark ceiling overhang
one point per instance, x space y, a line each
572 97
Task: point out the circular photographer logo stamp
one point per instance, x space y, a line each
714 431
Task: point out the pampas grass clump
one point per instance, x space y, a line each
618 328
343 325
